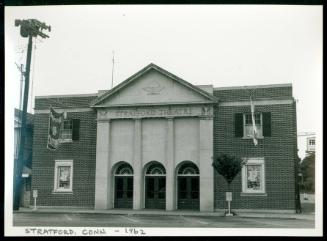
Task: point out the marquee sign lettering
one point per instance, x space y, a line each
155 112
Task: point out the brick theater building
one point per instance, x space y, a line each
150 141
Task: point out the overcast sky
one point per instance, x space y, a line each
220 45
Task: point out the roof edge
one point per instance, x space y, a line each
66 96
253 86
142 71
153 104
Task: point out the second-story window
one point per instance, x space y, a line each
248 126
243 126
70 130
67 130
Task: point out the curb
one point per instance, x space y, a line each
298 217
213 214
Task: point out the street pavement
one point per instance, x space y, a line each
138 220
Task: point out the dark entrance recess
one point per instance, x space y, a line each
188 187
124 187
155 187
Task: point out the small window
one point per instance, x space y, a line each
311 144
63 176
67 131
248 126
253 176
156 169
188 168
243 124
124 169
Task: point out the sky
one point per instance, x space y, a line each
222 45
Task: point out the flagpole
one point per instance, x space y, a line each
254 132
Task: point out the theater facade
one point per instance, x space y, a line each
149 143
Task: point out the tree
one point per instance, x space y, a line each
307 168
228 167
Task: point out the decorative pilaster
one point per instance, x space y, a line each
138 180
170 172
205 160
103 199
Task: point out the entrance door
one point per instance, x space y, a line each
123 192
188 192
123 186
155 192
155 186
188 186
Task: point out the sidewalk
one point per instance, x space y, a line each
307 216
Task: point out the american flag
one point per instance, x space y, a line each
55 121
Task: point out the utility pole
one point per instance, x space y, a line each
28 29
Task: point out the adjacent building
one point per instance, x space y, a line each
149 143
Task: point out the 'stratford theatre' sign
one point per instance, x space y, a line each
155 112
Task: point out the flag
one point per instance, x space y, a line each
55 120
254 131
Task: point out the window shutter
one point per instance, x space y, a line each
75 132
238 122
266 123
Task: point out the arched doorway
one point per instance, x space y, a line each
123 186
188 186
155 186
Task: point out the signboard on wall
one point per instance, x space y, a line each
34 193
168 111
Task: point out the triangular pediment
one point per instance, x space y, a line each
153 86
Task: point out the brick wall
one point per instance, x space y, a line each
278 152
64 102
242 94
82 152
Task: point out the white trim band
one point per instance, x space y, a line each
66 96
253 87
47 111
257 102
